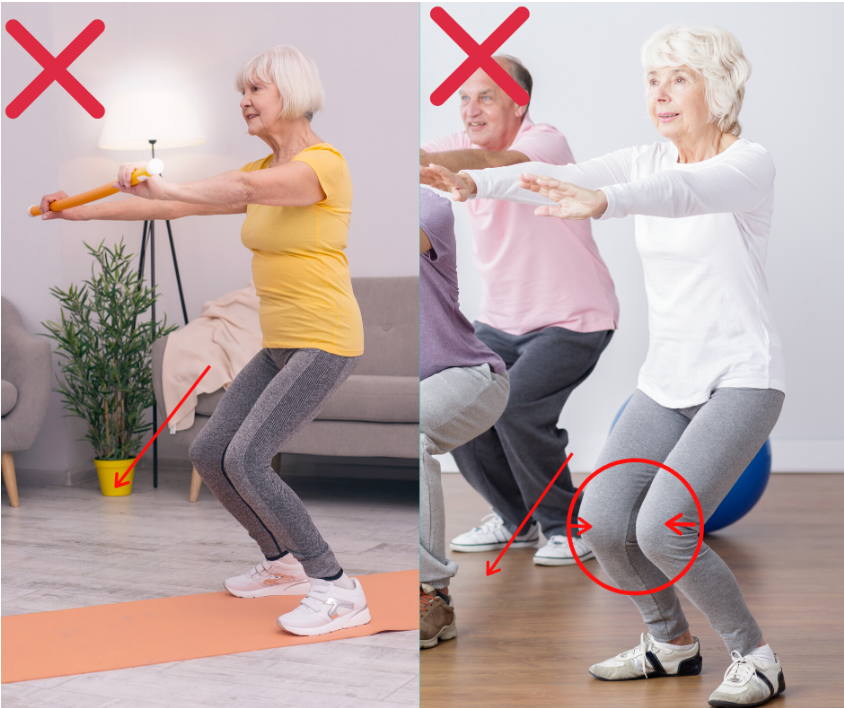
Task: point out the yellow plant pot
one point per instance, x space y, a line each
113 481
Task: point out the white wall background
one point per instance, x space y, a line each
584 58
368 60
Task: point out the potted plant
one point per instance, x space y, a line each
106 361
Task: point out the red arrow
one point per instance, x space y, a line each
673 524
121 481
491 569
584 525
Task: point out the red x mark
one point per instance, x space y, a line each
480 56
55 68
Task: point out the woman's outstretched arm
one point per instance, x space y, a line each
504 182
128 210
292 184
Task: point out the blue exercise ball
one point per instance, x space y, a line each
747 490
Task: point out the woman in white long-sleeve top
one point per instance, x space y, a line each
712 385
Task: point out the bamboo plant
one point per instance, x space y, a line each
106 352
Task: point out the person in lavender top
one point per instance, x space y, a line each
463 391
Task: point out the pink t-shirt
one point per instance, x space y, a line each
537 271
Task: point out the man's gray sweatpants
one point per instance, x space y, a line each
511 464
275 395
456 404
709 445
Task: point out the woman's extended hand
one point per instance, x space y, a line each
461 185
150 188
68 214
573 202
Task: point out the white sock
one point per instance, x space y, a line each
345 582
287 559
674 647
765 653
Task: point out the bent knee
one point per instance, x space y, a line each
608 531
663 546
206 456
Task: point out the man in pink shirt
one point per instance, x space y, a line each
548 309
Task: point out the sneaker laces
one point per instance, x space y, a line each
740 671
639 651
426 599
489 523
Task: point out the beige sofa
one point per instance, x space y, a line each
375 413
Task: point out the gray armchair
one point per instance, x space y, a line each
375 413
27 379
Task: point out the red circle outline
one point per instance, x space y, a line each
700 524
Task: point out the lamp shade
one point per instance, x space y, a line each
133 119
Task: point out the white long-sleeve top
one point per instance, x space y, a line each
702 232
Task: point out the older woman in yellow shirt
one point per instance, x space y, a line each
297 202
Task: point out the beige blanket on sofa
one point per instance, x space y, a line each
226 335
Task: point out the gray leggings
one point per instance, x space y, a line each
270 400
710 445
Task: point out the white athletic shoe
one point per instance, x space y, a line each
649 661
749 682
557 552
327 608
492 535
284 576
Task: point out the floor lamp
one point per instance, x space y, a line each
142 120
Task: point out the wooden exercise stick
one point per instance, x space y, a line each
153 167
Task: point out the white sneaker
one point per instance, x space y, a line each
649 661
749 682
327 608
284 576
557 552
492 535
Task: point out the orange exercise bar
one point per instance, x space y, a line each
153 167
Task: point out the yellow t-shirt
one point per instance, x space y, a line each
298 264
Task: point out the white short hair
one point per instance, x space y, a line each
714 54
295 75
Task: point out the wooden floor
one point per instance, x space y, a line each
528 634
70 547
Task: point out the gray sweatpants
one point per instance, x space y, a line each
275 395
511 464
710 445
455 405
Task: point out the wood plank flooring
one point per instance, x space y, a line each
527 635
70 547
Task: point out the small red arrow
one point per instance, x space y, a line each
122 481
673 524
584 525
491 569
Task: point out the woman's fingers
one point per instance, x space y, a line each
447 176
550 211
439 177
433 179
126 170
48 199
573 202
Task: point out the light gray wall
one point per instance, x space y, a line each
584 58
368 60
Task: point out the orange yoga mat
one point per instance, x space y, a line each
125 634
